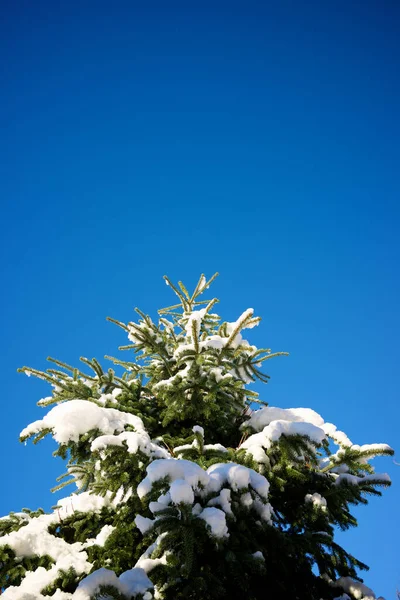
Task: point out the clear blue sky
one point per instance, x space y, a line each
259 139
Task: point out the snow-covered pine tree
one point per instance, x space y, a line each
189 487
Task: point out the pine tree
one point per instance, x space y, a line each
188 485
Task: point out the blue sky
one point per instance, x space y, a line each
258 139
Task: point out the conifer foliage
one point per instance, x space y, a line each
188 485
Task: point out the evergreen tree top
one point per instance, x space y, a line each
188 485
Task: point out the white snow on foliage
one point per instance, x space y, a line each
238 340
173 469
195 318
194 321
258 442
112 397
317 500
201 481
230 335
356 588
271 423
71 419
223 500
355 480
215 519
134 442
219 374
132 582
268 415
144 524
373 448
198 429
34 539
179 450
188 482
238 477
181 492
101 537
34 582
84 502
215 447
339 437
264 416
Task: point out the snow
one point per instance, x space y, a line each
210 481
145 562
37 541
137 331
144 524
84 502
355 480
255 444
223 500
269 414
130 583
239 477
180 449
195 444
156 507
246 499
136 581
337 436
187 480
181 492
356 588
219 374
197 508
73 418
271 423
215 519
171 381
194 321
264 510
173 469
34 581
214 341
134 441
239 324
20 515
373 448
165 498
90 585
34 539
101 537
264 416
216 447
104 398
45 400
317 500
257 452
198 429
